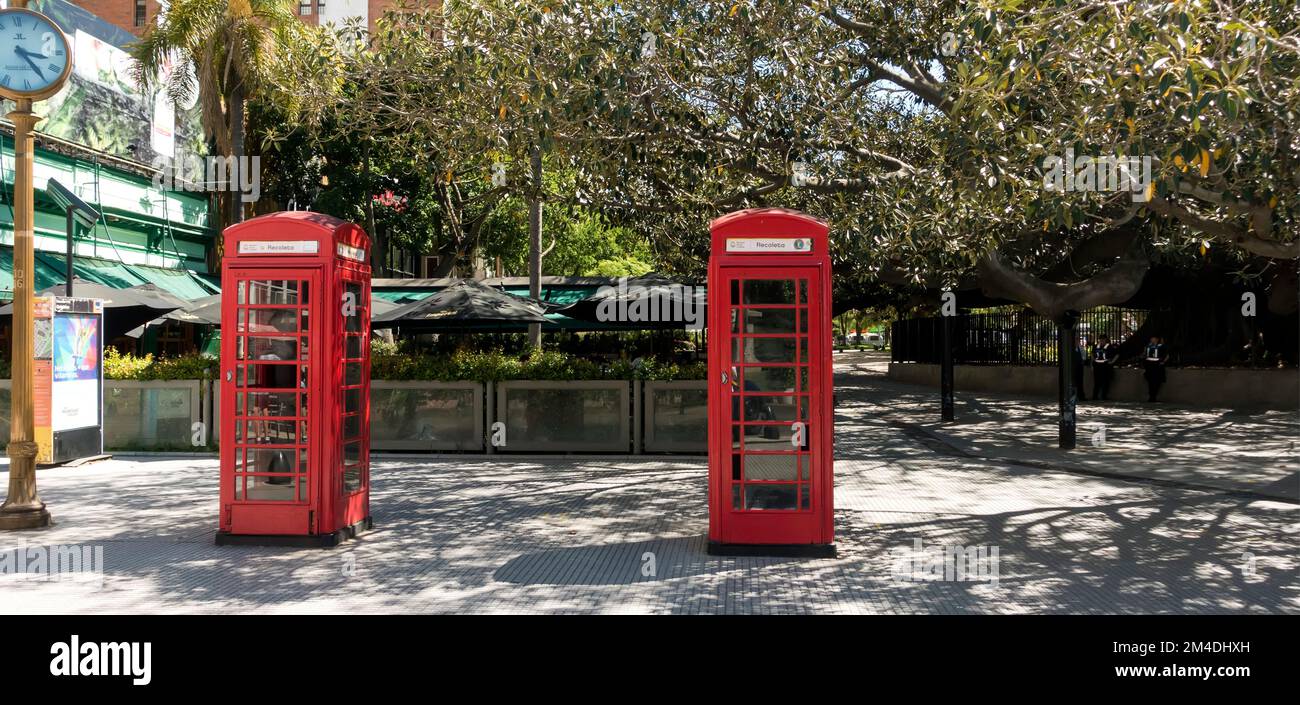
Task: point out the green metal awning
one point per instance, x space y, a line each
46 274
94 269
50 271
180 282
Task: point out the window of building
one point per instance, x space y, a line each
304 7
320 7
141 12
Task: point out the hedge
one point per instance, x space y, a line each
458 366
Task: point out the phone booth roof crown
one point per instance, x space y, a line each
767 223
292 232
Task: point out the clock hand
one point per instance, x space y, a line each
28 58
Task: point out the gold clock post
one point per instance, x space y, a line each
23 508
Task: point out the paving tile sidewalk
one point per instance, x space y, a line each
1251 452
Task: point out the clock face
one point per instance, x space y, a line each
34 55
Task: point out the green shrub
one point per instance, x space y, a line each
125 366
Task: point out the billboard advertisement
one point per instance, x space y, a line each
75 389
102 107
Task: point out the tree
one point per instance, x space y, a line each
228 46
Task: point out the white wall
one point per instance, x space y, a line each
337 11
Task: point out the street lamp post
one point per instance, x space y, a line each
38 60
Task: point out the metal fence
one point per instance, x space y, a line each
1005 337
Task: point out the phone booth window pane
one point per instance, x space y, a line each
351 478
239 485
352 453
768 379
266 320
351 401
272 404
265 488
279 292
274 348
771 467
803 379
304 376
352 426
302 348
758 497
770 320
804 497
352 314
769 291
303 324
242 295
303 488
763 350
353 347
351 373
241 347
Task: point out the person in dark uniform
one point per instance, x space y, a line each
1104 355
1154 361
1077 371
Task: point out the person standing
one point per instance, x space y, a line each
1104 356
1077 371
1154 360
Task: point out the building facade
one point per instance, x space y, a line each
135 15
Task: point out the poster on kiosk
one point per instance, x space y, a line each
295 381
770 415
67 378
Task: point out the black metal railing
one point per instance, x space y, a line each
1005 337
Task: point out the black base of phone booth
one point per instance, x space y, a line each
773 550
297 541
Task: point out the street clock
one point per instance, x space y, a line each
35 57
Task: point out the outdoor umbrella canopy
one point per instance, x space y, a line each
464 304
628 303
124 309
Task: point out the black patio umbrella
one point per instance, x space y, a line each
124 309
466 304
627 303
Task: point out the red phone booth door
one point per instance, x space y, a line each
265 403
772 491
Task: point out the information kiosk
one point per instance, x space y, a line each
295 381
770 415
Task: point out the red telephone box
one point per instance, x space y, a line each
295 381
770 415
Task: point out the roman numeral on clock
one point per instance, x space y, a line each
5 81
55 68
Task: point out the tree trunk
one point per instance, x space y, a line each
236 204
535 244
370 212
948 409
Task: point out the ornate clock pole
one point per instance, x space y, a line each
39 44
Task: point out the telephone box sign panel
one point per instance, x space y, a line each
778 245
279 247
355 254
